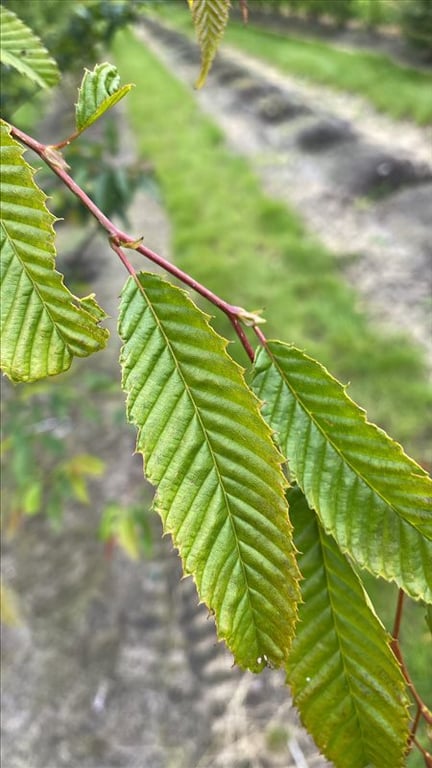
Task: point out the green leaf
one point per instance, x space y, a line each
22 49
77 469
368 494
210 18
99 91
208 449
43 325
129 527
344 677
33 498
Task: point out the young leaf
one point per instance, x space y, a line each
21 48
99 91
43 325
344 678
210 452
368 494
210 18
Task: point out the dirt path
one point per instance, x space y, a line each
361 182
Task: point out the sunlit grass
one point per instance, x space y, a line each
256 253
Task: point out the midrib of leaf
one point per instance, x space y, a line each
210 18
30 278
330 441
208 443
336 623
13 61
388 543
42 295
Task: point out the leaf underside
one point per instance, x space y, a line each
344 677
43 325
21 48
368 494
220 486
210 18
99 91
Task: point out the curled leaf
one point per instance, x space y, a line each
99 91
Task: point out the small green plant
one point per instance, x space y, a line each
40 469
42 472
276 489
416 21
127 527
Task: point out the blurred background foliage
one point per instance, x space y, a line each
76 34
42 470
38 459
412 17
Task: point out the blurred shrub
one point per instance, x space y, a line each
128 527
371 13
40 468
42 472
375 13
416 23
337 10
75 33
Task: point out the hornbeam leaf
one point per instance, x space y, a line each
368 494
43 325
344 677
210 18
99 91
21 48
220 485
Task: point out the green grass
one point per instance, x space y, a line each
401 92
256 253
